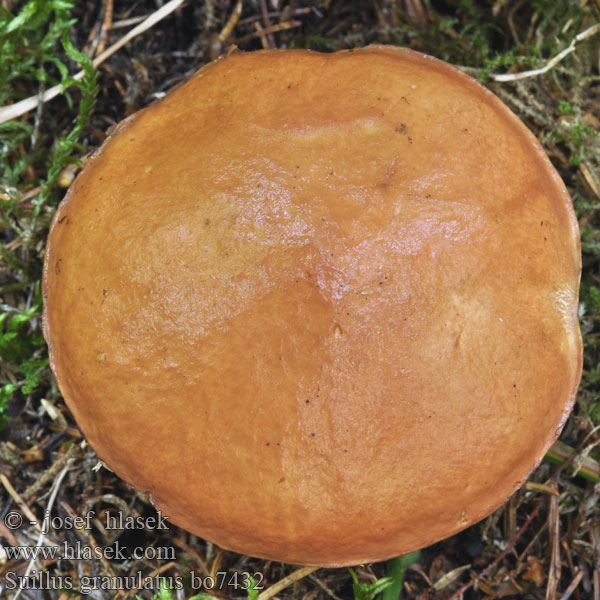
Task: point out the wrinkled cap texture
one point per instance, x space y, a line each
322 307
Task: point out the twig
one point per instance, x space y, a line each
151 575
20 502
106 24
219 39
511 21
530 545
54 492
416 11
572 586
231 22
510 518
565 456
7 113
192 552
595 537
283 583
500 556
73 452
261 33
127 22
589 32
532 486
554 530
324 587
90 539
273 29
267 23
574 570
295 12
590 180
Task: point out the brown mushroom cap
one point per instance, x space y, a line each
323 308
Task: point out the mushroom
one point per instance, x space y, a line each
321 307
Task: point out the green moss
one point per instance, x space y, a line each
34 54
